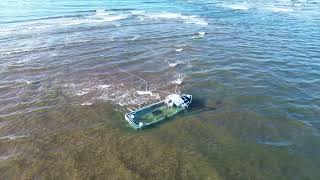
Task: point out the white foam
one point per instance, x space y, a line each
113 18
117 93
86 104
286 1
179 80
101 16
280 9
123 96
81 92
199 35
179 50
174 16
43 26
96 19
137 12
309 123
240 6
133 38
2 158
104 86
12 137
276 143
155 96
13 51
101 12
144 92
175 63
114 92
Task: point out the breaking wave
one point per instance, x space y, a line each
199 35
100 16
279 6
121 94
280 9
240 6
173 63
124 89
188 19
32 26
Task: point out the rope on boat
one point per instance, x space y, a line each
163 91
175 91
146 83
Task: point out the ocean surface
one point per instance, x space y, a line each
70 70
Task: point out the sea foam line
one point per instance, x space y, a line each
2 158
188 19
39 25
241 6
12 137
276 143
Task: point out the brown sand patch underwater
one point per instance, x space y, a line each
103 153
190 146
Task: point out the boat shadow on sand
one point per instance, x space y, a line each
199 105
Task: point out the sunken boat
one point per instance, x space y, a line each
159 111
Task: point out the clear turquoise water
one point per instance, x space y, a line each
252 66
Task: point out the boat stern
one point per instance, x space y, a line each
129 117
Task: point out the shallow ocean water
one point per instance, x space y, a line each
68 73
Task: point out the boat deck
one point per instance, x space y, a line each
156 113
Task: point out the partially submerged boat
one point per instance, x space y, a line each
157 112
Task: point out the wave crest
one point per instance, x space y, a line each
188 19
